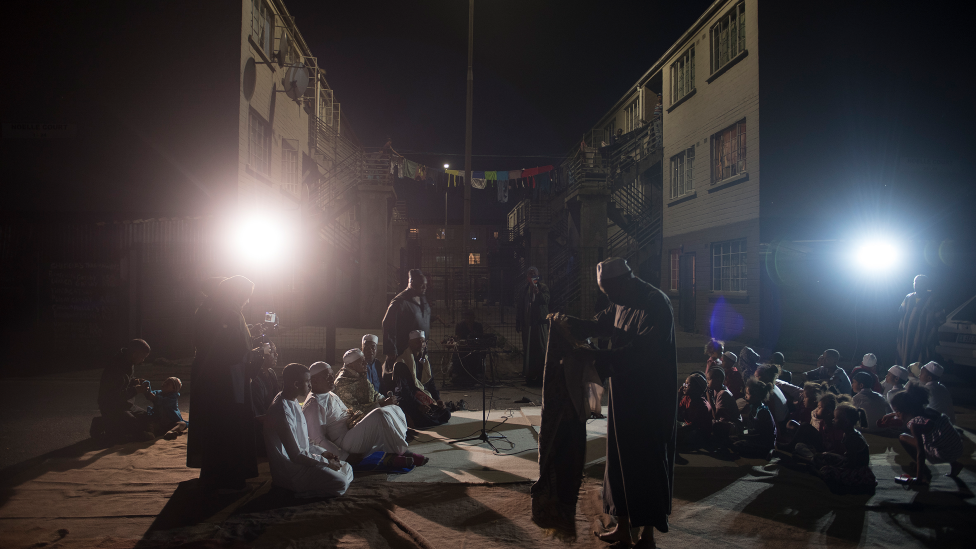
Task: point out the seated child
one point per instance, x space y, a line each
940 399
164 415
778 359
819 435
725 414
767 373
758 435
931 434
713 350
869 364
694 412
866 399
784 375
851 466
733 376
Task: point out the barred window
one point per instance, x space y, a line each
729 266
474 258
632 116
289 165
258 143
683 75
682 172
729 37
729 152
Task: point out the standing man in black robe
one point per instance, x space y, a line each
530 321
408 311
642 364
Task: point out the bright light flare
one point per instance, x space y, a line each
259 238
877 256
446 166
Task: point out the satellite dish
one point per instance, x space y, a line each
283 45
296 80
249 78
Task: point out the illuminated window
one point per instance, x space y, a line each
729 152
729 37
729 266
440 234
675 262
683 75
632 116
414 232
496 234
258 143
682 172
474 259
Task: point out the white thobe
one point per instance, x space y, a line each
777 405
296 464
874 405
382 429
940 399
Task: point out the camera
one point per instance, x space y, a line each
263 331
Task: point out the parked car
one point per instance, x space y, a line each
957 337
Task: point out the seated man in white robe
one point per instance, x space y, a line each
371 424
306 469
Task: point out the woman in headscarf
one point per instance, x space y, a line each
221 443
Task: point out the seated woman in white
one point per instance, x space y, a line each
356 432
307 469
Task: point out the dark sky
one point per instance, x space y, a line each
545 71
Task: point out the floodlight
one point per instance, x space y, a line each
446 166
259 238
877 255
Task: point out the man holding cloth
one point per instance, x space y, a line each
408 312
642 365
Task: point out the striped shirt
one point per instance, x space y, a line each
940 440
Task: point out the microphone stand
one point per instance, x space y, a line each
483 435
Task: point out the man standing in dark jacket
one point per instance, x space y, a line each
530 321
121 420
408 311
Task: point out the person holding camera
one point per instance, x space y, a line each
121 421
222 441
530 321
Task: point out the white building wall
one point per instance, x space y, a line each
732 96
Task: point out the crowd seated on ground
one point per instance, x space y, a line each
819 421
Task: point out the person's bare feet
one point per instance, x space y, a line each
646 540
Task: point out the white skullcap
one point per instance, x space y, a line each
613 267
370 337
869 360
319 366
352 355
902 373
934 368
731 356
417 334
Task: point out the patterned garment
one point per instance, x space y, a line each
918 329
355 391
940 440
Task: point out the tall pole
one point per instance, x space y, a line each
466 233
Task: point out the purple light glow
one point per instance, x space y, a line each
725 323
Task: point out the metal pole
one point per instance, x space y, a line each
466 233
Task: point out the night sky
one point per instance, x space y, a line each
544 73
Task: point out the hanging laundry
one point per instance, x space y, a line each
502 176
409 170
396 163
503 191
421 173
478 183
477 175
514 174
491 176
543 181
531 172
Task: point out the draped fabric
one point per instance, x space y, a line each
562 438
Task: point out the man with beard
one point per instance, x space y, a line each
408 311
642 365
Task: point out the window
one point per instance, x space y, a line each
632 116
683 75
440 234
474 235
443 260
608 131
729 37
474 259
729 152
496 234
729 266
258 143
414 232
262 26
682 172
675 262
289 165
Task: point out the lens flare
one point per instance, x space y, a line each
877 255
